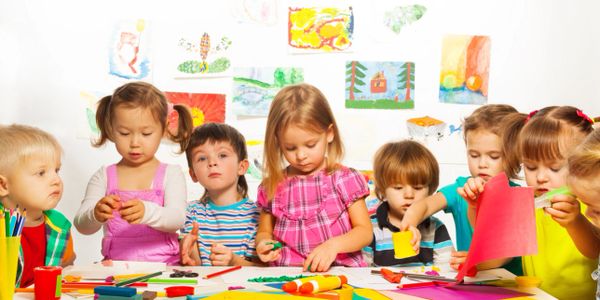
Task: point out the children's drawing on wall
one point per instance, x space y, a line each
88 128
255 159
398 17
424 127
455 129
465 69
128 51
397 22
205 108
380 85
254 88
327 29
263 12
206 54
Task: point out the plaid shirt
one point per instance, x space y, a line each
310 210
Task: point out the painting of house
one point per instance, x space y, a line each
378 83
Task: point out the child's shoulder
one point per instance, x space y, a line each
57 219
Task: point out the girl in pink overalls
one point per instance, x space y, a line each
139 201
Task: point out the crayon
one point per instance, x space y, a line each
324 284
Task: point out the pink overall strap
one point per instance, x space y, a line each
111 174
159 178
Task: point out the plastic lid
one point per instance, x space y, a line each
528 281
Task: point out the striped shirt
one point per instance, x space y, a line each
436 245
233 226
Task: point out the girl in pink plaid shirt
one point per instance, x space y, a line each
314 206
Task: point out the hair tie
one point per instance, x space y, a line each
170 109
584 116
531 114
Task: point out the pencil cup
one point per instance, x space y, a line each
47 282
402 246
9 255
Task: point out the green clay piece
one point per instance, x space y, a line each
276 245
275 279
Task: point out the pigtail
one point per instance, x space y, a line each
103 121
512 125
184 127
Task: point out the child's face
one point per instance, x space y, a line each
588 192
304 150
484 154
401 196
136 134
217 167
544 176
35 184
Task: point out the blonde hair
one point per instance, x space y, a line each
504 121
585 161
20 142
302 105
551 133
144 95
406 162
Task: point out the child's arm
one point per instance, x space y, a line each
85 219
361 234
171 216
264 238
565 210
470 192
69 255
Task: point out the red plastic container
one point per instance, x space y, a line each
47 282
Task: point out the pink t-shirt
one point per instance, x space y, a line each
309 210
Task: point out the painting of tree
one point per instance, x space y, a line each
354 71
406 79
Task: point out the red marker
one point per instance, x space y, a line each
222 272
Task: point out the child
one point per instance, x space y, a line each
315 207
140 202
487 156
223 222
546 142
29 179
584 171
406 172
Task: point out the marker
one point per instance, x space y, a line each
324 284
136 279
544 200
222 272
294 285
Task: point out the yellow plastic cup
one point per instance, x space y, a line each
402 245
9 255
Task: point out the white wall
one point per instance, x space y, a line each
543 53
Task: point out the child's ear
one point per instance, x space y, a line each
193 175
3 186
243 167
330 134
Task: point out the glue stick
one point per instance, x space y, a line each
323 284
294 285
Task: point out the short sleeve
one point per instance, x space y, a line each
350 185
262 201
451 195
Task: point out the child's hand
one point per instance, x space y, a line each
457 258
132 211
321 258
564 210
265 251
104 208
416 239
471 190
220 255
189 248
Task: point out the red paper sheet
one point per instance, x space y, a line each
505 225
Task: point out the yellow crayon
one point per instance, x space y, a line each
323 284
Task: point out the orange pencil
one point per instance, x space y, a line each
222 272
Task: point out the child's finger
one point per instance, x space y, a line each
194 229
307 263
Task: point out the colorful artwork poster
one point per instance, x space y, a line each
320 29
90 99
380 85
206 54
205 108
254 88
464 76
397 17
262 12
128 51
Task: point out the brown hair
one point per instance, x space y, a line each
305 106
585 161
20 142
552 133
404 162
218 132
144 95
504 121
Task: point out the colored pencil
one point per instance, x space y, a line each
173 280
136 279
222 272
422 284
